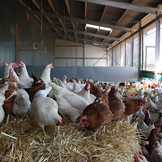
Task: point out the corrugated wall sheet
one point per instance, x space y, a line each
29 31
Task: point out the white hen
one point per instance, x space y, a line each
2 99
45 109
24 77
4 64
45 76
157 152
22 103
7 71
76 87
151 104
85 93
69 103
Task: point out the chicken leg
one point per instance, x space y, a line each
8 117
44 131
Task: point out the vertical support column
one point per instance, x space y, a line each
84 54
132 49
112 56
107 57
142 49
119 54
54 52
157 49
139 52
76 45
16 44
125 55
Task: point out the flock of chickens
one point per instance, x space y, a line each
92 103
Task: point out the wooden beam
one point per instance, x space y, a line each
35 15
85 15
86 33
54 11
128 6
120 19
82 21
125 12
85 8
103 13
70 14
41 9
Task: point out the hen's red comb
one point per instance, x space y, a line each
3 63
156 129
83 117
152 122
63 122
157 143
21 61
145 111
51 63
15 62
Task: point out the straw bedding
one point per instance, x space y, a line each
22 140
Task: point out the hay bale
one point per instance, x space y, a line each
117 141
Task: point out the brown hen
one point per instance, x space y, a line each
97 114
116 104
38 84
10 94
132 105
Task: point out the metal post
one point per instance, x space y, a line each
142 49
119 54
107 57
84 54
139 56
125 55
54 51
16 44
157 49
76 45
132 49
112 56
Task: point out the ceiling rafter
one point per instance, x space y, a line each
41 9
103 14
125 5
54 11
73 39
125 12
83 21
87 40
35 15
85 33
70 14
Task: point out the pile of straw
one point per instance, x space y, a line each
22 140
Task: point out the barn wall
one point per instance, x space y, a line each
65 54
28 32
105 74
7 31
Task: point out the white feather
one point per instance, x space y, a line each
69 103
45 109
22 103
